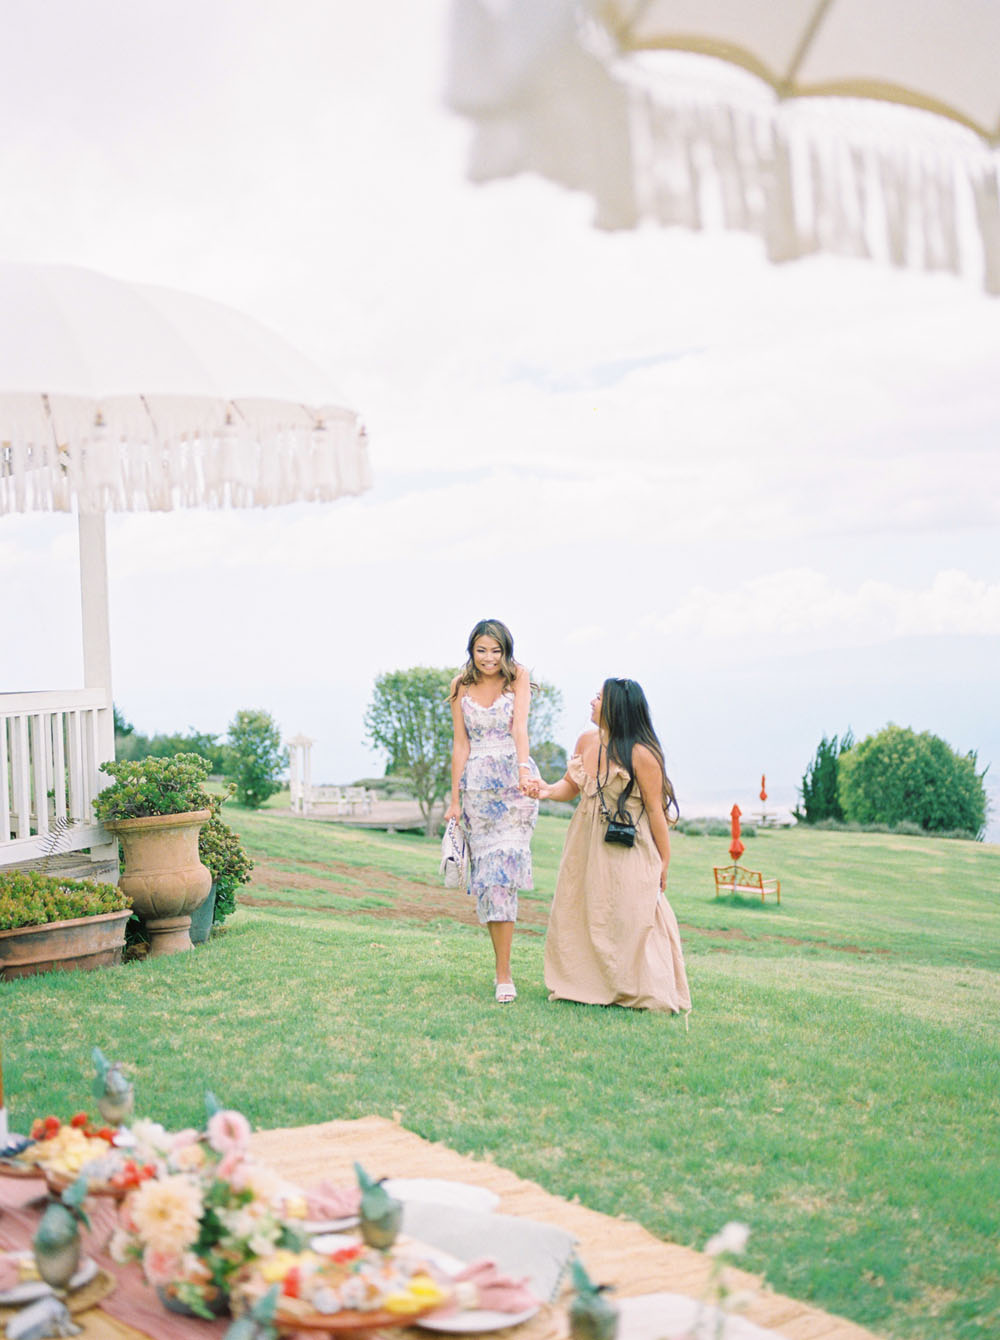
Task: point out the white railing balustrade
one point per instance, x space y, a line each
51 747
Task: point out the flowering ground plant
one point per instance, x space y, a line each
207 1215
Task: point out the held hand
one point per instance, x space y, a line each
528 786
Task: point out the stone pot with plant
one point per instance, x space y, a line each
51 923
156 807
226 857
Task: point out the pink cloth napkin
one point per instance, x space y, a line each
326 1201
10 1275
481 1287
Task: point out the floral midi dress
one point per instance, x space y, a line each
497 819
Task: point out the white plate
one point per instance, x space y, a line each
32 1289
468 1320
327 1225
653 1315
437 1192
462 1321
309 1226
328 1243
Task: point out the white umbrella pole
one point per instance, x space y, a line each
97 641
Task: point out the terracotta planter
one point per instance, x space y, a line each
163 874
86 942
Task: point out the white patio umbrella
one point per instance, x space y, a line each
568 89
122 397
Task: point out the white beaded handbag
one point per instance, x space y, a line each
454 856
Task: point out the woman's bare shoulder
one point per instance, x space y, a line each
643 757
588 741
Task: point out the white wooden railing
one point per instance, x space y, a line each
51 746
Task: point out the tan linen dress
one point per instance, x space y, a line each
612 937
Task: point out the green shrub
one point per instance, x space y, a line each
29 898
256 758
820 796
150 786
899 777
711 827
224 854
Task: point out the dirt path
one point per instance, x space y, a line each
413 900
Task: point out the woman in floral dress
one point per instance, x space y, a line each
492 785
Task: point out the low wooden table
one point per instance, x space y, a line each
615 1251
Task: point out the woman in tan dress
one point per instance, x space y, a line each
613 937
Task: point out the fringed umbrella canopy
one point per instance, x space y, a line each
565 88
126 397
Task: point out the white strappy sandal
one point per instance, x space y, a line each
505 993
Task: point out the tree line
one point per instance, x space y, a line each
894 777
251 755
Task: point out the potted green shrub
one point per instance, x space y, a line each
156 807
48 922
224 854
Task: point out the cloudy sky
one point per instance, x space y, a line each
772 495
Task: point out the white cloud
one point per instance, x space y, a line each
803 609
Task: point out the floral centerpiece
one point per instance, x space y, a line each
208 1214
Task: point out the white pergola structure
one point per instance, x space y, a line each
125 397
300 772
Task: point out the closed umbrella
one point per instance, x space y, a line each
794 152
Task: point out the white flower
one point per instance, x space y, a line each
262 1243
166 1213
732 1238
150 1139
265 1184
120 1247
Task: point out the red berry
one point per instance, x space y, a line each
52 1125
292 1283
79 1119
104 1133
37 1128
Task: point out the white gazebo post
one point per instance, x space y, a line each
97 641
300 765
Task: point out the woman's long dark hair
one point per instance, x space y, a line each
508 666
626 721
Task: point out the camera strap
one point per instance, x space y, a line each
605 812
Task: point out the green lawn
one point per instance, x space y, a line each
838 1089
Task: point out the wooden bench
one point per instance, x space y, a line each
737 879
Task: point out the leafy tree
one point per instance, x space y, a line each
546 709
409 716
551 759
820 798
133 746
898 776
122 725
257 758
